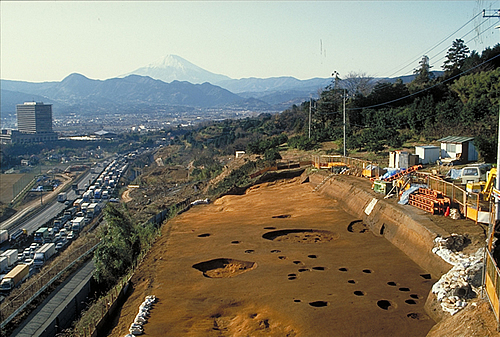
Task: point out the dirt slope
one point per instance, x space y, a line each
277 261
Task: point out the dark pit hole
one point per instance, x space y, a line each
303 270
252 315
275 251
426 276
312 256
414 315
249 251
404 289
292 277
392 284
235 242
297 301
318 268
300 235
359 293
281 257
382 229
410 302
415 296
216 315
367 271
204 235
269 227
234 267
297 262
384 304
282 216
318 304
351 226
343 269
351 281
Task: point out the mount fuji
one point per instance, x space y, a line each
175 68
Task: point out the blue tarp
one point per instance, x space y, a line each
406 194
390 172
454 173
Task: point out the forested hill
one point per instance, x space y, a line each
463 101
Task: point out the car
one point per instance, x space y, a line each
67 202
59 245
70 236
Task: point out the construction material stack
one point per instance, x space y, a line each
430 201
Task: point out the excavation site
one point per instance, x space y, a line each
283 260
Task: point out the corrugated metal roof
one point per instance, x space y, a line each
428 146
455 139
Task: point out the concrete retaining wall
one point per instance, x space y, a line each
411 232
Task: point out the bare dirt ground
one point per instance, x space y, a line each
277 261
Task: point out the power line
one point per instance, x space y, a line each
435 46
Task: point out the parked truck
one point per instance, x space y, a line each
4 235
43 254
15 277
61 197
11 255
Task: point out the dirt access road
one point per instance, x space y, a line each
280 260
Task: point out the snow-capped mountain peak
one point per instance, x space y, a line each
172 67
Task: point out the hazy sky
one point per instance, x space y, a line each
48 40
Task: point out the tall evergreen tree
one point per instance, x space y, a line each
456 56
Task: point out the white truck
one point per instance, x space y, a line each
43 254
4 235
15 277
61 197
11 255
77 224
4 263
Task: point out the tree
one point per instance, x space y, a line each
358 83
120 245
423 73
456 56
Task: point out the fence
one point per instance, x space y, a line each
491 283
324 161
36 285
24 182
470 203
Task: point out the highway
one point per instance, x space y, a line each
48 211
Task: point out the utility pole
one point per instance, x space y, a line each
310 104
344 118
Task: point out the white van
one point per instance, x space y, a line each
475 173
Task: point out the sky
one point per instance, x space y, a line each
48 40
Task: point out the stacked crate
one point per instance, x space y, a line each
430 201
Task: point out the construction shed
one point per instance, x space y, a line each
458 148
428 154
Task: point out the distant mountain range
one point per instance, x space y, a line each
171 81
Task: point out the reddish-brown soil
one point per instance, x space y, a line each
277 261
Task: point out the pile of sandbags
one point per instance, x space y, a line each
137 327
463 281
